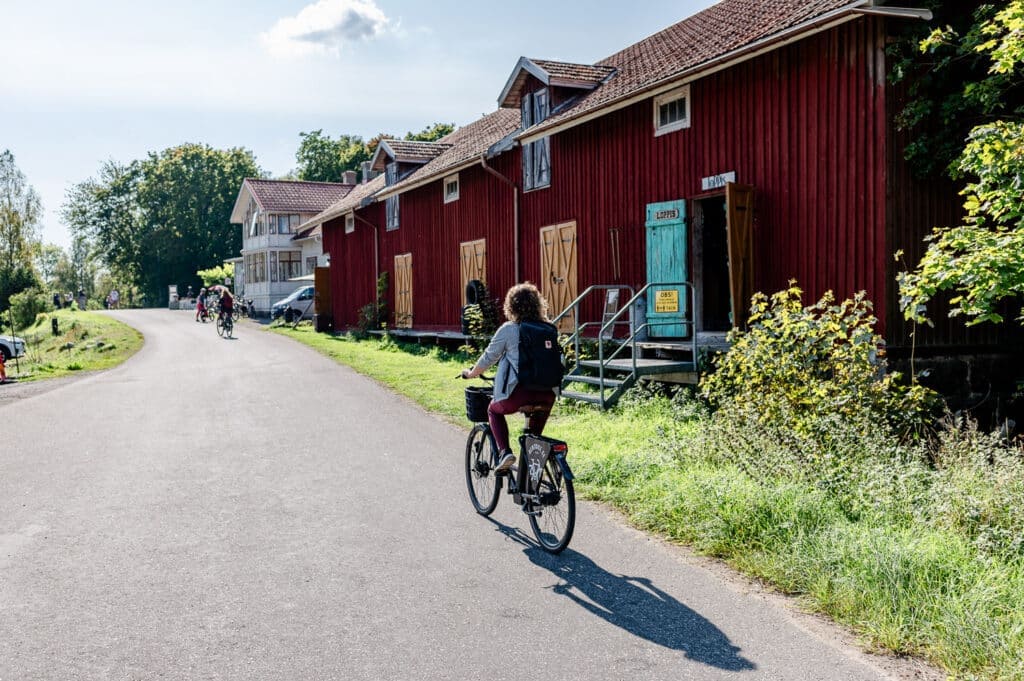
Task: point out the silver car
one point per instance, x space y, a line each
12 346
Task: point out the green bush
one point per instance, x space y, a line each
27 305
798 363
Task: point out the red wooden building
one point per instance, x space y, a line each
748 145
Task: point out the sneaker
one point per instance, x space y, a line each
507 460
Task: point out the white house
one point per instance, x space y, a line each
270 213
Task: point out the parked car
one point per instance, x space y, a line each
296 306
12 346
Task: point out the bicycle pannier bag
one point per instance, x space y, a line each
540 357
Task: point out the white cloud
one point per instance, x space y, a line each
325 27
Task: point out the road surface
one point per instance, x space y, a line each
247 509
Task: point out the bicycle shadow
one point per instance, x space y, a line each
634 604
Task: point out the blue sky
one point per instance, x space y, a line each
83 82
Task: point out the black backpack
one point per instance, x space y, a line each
540 357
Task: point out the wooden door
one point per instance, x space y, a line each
558 270
472 262
403 291
322 304
739 210
667 306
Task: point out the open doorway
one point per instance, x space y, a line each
711 264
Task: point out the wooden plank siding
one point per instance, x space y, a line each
805 125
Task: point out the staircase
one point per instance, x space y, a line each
622 361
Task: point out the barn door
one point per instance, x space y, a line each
473 262
739 209
322 285
558 269
403 291
667 306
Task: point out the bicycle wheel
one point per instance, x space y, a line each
229 326
220 327
481 480
554 519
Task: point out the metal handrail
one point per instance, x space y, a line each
616 320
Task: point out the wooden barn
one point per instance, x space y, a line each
748 145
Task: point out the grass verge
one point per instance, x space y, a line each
85 341
903 581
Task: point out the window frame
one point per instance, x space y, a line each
350 223
674 95
450 197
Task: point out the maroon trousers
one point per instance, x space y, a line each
519 398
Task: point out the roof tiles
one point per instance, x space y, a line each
296 196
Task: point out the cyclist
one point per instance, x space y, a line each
201 304
227 302
522 302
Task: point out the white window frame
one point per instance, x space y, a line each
449 182
667 98
350 223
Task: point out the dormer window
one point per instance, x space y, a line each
672 111
451 188
535 108
350 223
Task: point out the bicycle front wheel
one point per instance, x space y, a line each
481 480
554 518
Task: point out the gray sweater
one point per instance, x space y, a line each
503 349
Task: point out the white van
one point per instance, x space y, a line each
298 305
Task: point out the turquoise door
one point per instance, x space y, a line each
666 263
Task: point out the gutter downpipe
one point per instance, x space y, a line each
515 212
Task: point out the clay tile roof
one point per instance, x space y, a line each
705 37
296 196
586 73
406 150
350 202
463 145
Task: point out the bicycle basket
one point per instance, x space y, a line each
477 399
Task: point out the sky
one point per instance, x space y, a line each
85 82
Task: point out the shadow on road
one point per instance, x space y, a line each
634 604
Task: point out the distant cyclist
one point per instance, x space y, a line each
227 302
201 305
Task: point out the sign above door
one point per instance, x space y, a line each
717 181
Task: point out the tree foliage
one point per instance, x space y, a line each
982 260
431 133
216 275
20 211
157 221
322 159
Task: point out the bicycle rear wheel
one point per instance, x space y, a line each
483 483
220 327
554 518
229 326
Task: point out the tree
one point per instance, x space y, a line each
20 210
982 260
322 159
46 257
431 133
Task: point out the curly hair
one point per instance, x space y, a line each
524 301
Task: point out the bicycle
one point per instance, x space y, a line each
540 483
225 325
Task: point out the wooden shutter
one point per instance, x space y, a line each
558 269
403 291
472 261
526 109
323 305
739 208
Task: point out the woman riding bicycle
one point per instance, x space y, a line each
522 302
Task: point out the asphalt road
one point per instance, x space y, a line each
246 509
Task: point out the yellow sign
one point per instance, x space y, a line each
666 301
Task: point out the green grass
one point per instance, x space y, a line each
86 341
911 575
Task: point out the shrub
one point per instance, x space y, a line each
797 363
373 315
27 305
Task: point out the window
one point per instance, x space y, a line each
289 264
257 267
536 108
311 265
451 188
391 202
273 266
672 111
350 223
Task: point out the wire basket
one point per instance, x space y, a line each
478 397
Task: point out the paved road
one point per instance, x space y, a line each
246 509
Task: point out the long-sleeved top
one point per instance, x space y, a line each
503 349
